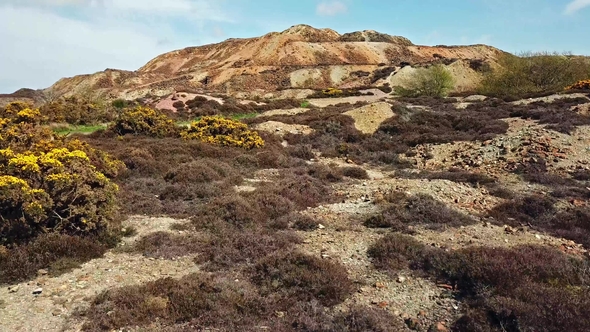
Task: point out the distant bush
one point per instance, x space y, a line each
217 130
77 110
144 121
434 81
580 85
533 73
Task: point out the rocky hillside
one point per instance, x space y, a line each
300 57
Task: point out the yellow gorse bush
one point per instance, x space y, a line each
580 85
51 184
332 92
144 121
222 131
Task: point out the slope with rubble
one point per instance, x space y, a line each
301 57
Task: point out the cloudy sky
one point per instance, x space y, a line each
44 40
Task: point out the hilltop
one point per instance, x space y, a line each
301 57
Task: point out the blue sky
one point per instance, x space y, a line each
44 40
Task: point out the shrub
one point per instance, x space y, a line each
77 110
231 248
355 172
217 130
303 278
395 252
57 191
49 184
418 210
525 288
167 245
204 301
435 81
533 73
144 121
580 85
56 252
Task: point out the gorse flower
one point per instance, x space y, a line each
580 85
51 184
218 130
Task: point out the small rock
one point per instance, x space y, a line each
38 291
401 279
280 314
13 289
320 226
538 236
438 327
382 304
509 230
42 272
380 285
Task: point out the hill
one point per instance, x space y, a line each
301 57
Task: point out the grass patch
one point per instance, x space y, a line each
65 130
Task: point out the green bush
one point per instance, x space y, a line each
534 73
144 121
434 81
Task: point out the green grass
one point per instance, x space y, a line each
81 129
305 104
89 129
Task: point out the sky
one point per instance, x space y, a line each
45 40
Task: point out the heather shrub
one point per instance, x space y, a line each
525 288
57 253
301 277
166 245
395 252
231 248
418 210
434 81
204 301
144 121
217 130
355 172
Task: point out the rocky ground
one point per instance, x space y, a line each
50 303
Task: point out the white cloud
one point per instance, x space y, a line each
41 45
576 5
331 8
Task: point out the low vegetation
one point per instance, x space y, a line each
246 200
534 74
518 289
51 186
433 81
222 131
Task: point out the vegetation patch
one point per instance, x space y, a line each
222 131
546 290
